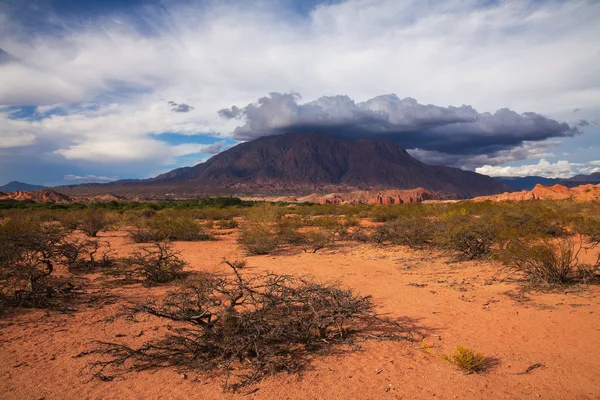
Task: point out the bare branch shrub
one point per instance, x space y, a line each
157 264
547 261
247 326
85 254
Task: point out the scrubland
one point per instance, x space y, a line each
221 298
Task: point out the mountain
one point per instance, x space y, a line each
592 178
307 163
16 186
301 164
527 182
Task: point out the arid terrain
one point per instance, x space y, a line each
539 342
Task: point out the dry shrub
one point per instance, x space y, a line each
157 264
247 327
473 237
467 360
29 252
414 232
551 262
227 224
163 227
94 221
85 254
315 240
259 239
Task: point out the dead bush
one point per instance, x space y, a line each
85 254
547 261
245 328
156 264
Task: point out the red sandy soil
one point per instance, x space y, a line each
449 303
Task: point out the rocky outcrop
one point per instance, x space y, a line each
384 197
555 192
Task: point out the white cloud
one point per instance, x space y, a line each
559 169
90 178
528 56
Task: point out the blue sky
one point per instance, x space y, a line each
97 90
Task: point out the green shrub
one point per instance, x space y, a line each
259 239
471 236
160 228
227 224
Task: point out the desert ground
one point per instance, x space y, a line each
540 343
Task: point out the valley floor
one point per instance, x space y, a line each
443 302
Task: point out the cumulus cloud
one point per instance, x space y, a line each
181 107
560 169
450 130
90 178
107 79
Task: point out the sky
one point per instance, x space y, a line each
100 90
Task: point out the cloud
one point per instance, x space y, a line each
90 178
450 130
182 107
560 169
105 79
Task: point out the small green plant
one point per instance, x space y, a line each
467 360
259 239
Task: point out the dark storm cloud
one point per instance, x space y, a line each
180 107
448 130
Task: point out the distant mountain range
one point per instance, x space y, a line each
16 186
296 164
529 182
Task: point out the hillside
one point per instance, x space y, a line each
301 164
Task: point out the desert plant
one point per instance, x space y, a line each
259 239
29 252
94 221
227 224
161 228
315 240
467 360
254 326
157 264
83 254
471 236
549 261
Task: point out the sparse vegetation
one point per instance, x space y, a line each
159 263
246 328
168 227
467 360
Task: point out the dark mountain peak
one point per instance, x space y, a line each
305 163
16 186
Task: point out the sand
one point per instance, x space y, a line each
448 303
